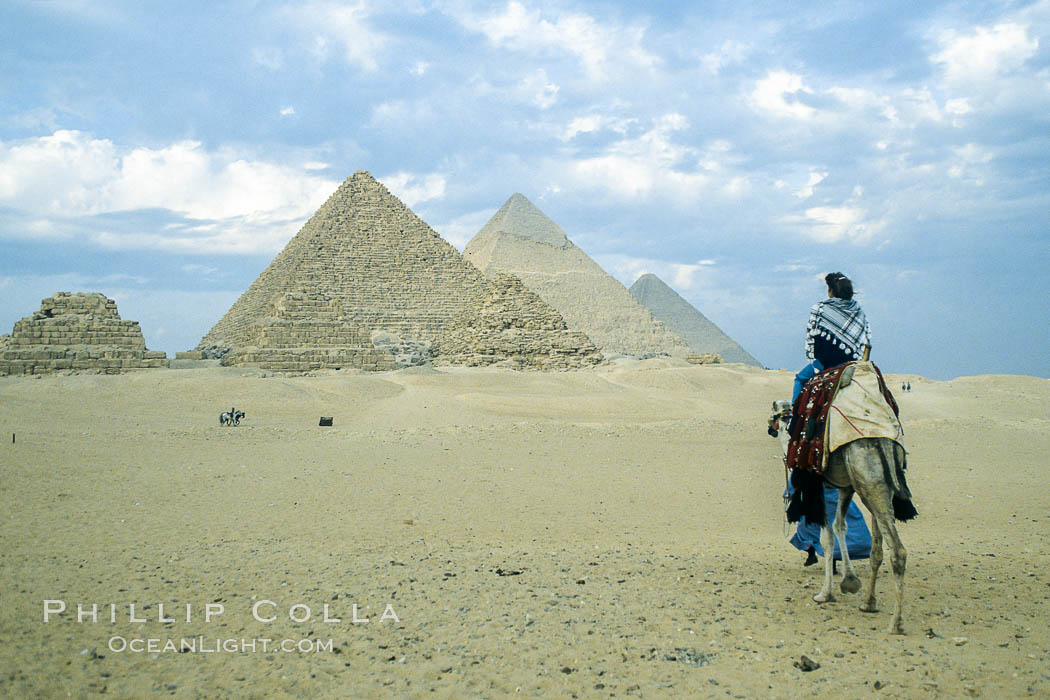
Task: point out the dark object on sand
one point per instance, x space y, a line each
325 421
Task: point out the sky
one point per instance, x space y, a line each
164 153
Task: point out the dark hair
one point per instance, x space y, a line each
839 285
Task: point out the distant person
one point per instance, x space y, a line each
837 333
909 387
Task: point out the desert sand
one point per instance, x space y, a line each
610 532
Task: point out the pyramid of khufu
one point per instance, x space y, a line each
368 284
703 336
521 240
77 332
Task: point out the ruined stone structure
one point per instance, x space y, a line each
364 284
703 336
304 331
512 327
522 240
76 332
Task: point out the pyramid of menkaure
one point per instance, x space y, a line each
684 319
363 270
522 240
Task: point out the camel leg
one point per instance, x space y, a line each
827 541
899 560
850 582
870 605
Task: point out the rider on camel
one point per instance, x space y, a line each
837 333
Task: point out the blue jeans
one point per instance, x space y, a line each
803 376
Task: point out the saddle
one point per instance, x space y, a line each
866 409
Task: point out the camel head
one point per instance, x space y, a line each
779 422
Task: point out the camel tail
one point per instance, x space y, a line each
894 463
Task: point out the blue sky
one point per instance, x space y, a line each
163 153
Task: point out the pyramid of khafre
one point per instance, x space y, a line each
76 332
363 284
684 319
522 240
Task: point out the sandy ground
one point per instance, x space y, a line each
615 532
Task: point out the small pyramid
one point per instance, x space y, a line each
512 327
362 279
684 319
523 241
80 331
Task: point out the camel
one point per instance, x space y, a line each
873 468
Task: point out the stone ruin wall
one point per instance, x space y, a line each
80 332
512 327
308 331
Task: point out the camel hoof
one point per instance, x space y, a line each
869 607
850 584
823 598
894 629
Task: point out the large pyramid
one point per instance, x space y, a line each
522 240
364 278
684 319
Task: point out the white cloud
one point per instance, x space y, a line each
288 111
985 54
597 46
815 178
684 276
778 94
967 163
536 88
53 179
459 230
593 123
269 58
339 26
842 223
200 270
680 276
958 106
651 163
412 189
730 52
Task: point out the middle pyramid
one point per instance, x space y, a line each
368 284
522 240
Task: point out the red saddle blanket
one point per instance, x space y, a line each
808 430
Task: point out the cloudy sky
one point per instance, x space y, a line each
163 153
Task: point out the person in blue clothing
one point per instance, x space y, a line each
836 333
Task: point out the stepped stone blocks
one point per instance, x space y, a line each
703 336
76 332
365 283
512 327
305 331
704 358
521 240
